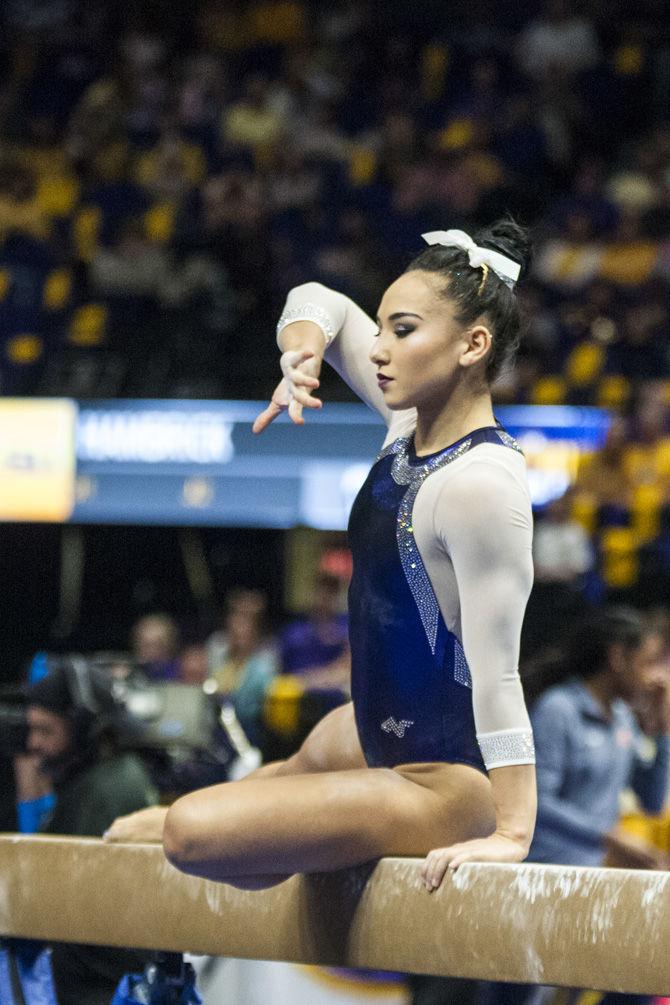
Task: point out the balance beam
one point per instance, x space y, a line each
595 928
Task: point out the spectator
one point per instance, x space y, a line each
317 646
562 552
134 267
242 661
171 169
193 663
96 123
602 477
73 736
154 644
251 122
558 42
20 211
562 556
589 747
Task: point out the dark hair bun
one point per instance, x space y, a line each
507 237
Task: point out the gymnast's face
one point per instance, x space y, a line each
421 351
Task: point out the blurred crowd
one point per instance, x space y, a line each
168 173
599 699
166 177
265 675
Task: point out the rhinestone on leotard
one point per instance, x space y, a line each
508 440
414 475
507 747
461 668
308 312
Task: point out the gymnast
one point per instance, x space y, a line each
434 754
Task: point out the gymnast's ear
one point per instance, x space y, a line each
477 341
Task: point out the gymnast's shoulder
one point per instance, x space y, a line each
489 483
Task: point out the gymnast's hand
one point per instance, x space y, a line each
301 368
143 827
496 848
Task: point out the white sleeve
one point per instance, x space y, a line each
484 521
349 335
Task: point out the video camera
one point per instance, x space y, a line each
183 732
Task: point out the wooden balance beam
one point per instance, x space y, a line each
595 928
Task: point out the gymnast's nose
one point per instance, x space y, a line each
380 354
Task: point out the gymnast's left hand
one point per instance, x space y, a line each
496 848
300 369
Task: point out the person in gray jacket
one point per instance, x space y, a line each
601 720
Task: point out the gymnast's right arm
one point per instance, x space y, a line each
318 323
483 520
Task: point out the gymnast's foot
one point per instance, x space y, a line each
143 827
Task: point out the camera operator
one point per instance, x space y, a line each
74 732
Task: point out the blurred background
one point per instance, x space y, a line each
167 173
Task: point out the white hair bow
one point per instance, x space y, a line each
506 268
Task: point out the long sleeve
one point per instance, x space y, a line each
483 518
650 778
349 335
552 726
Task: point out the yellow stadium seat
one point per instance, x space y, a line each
458 134
434 66
86 231
57 195
87 327
613 391
639 464
629 60
5 282
57 290
362 166
24 349
550 390
584 364
584 510
646 502
281 711
662 457
620 564
629 264
279 22
159 222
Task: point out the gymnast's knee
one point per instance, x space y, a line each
192 848
180 836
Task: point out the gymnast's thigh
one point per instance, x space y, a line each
332 745
320 821
461 795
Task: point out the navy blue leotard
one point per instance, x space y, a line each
411 684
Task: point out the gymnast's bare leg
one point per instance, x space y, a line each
322 810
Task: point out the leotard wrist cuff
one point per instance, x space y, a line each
308 312
507 747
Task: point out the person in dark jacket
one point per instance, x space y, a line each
73 731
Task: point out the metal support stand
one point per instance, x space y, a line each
167 980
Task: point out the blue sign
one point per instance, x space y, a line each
198 463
